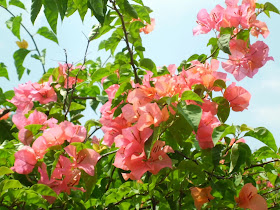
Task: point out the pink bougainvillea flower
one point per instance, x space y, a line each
19 119
40 146
159 159
149 27
250 199
130 113
150 114
37 117
245 61
205 23
73 133
201 196
259 27
205 129
25 160
238 97
233 141
25 136
86 159
44 93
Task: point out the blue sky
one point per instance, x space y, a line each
170 43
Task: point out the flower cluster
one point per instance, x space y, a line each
141 111
49 136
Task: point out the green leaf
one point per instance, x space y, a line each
193 57
233 157
148 64
35 9
130 10
191 113
45 32
222 131
123 87
97 7
4 71
223 43
43 190
150 142
62 7
270 7
41 58
34 128
90 182
19 57
142 13
17 3
51 13
82 7
14 25
75 106
91 123
9 184
223 112
3 3
263 135
99 74
220 83
244 35
190 95
5 170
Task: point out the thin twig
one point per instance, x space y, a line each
180 153
29 35
84 98
137 79
262 164
106 154
270 191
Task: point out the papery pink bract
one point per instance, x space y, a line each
25 160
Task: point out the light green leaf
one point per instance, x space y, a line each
264 136
14 25
19 57
5 170
191 113
82 7
17 3
45 32
51 13
34 128
9 184
190 95
223 43
222 131
75 106
234 157
4 71
3 3
43 190
35 9
123 87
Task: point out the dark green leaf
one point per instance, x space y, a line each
148 64
191 113
4 71
3 3
264 136
35 9
244 35
234 157
19 57
62 7
270 7
223 43
51 13
130 10
45 32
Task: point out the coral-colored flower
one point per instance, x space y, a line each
149 27
73 133
238 97
25 160
250 199
44 93
233 141
86 159
201 196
